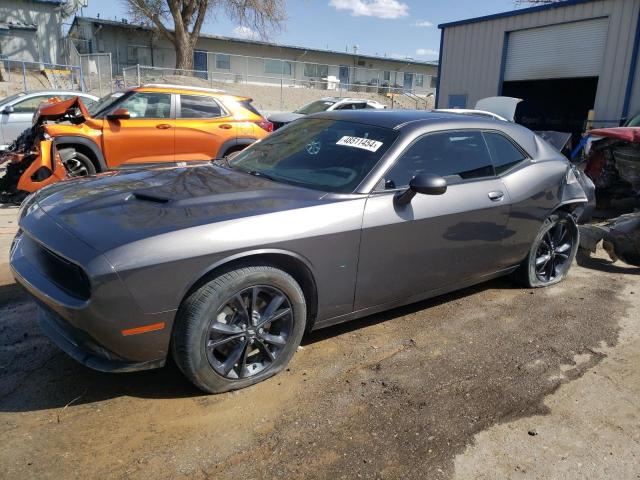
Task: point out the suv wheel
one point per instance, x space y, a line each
239 329
552 252
76 164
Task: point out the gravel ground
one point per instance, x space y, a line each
491 382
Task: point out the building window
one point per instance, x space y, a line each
277 67
434 82
387 76
223 61
315 70
419 80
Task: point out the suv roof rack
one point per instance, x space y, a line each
182 87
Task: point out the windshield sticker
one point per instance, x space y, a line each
358 142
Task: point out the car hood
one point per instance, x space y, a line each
285 117
117 208
55 108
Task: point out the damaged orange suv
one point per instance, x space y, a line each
147 125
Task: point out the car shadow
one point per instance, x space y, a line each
605 265
56 380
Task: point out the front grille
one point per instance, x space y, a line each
64 274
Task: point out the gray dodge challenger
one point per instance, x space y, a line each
339 215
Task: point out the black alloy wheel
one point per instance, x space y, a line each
553 256
249 332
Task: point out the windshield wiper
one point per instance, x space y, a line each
256 173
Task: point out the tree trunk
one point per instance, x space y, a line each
184 53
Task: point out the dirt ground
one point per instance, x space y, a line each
491 382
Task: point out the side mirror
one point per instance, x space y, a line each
8 109
119 114
425 184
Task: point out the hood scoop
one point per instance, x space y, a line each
150 197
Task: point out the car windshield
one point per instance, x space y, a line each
315 107
633 121
104 103
321 154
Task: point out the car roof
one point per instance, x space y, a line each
418 122
391 118
178 89
345 99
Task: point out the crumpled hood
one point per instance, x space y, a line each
285 117
55 108
120 207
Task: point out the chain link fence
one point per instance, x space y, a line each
20 76
276 92
97 70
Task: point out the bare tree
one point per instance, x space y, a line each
188 16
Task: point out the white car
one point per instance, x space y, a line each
323 105
17 110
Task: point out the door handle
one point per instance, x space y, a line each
496 195
225 126
163 126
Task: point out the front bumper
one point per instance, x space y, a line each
94 329
82 349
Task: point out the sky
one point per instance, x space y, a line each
394 28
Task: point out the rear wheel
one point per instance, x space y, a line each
76 164
239 329
552 252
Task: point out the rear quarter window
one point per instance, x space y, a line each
504 152
195 106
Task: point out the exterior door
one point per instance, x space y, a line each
434 242
200 63
343 75
147 137
202 127
408 81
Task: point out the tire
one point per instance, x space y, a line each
534 272
218 313
77 164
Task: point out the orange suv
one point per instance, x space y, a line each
144 125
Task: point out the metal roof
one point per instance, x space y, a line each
134 26
513 13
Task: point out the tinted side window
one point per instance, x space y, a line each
455 155
148 105
504 153
193 106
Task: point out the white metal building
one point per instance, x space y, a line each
240 60
563 59
31 30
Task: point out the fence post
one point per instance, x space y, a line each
99 76
138 70
24 77
81 74
110 73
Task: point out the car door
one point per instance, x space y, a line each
202 127
18 117
148 136
434 242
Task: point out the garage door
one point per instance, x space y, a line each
568 50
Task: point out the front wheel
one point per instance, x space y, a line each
239 329
552 252
77 164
